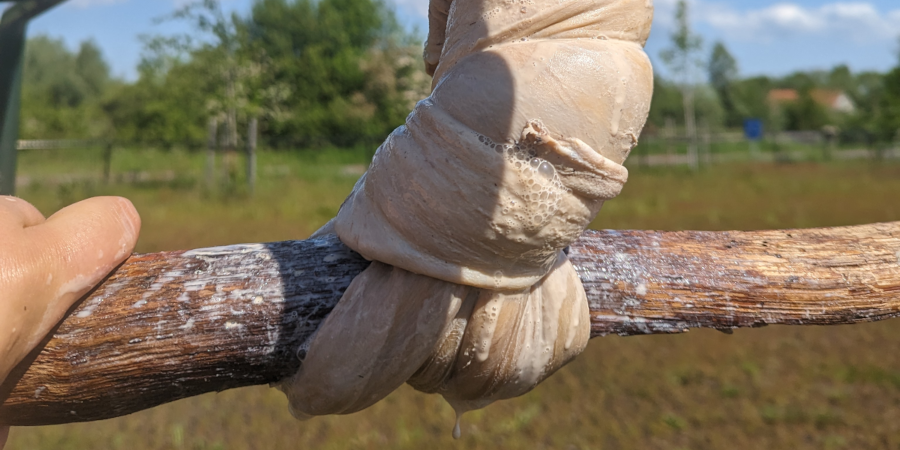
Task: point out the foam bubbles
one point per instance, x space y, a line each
546 170
532 190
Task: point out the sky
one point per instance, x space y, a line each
767 37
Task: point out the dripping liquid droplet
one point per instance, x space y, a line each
456 431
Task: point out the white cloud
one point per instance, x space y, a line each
859 21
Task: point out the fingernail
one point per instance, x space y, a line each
129 217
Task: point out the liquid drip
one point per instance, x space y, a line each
621 93
456 431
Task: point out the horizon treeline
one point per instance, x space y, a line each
314 72
344 73
726 100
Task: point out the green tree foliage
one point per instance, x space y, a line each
841 78
62 90
342 72
723 72
668 103
750 99
683 56
723 69
889 117
805 113
684 61
188 79
327 72
889 120
351 69
315 72
165 106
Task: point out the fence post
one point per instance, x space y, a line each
251 154
706 142
669 136
212 132
895 151
229 142
107 162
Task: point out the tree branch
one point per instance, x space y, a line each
172 325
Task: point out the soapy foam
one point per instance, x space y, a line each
535 198
539 194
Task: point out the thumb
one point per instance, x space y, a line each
73 251
83 242
49 265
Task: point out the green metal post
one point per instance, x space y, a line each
12 46
12 51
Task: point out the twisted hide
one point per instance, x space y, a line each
466 208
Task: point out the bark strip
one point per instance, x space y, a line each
172 325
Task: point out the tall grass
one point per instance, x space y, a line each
776 388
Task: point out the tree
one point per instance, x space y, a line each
898 51
722 67
723 72
352 68
806 113
684 62
804 81
889 123
62 90
841 78
750 100
219 44
666 102
315 72
167 105
92 69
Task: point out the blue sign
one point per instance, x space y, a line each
753 129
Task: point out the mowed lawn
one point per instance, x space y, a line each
773 388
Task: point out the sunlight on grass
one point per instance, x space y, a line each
775 388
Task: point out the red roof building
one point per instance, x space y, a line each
834 100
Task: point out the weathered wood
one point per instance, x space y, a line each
644 282
171 325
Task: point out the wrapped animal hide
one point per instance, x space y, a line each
467 208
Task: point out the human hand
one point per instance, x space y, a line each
46 265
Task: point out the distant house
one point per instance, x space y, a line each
834 100
779 96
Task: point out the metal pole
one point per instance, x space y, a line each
12 46
12 49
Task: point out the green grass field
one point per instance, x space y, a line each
774 388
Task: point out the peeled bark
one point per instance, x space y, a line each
171 325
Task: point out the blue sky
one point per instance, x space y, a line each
771 37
